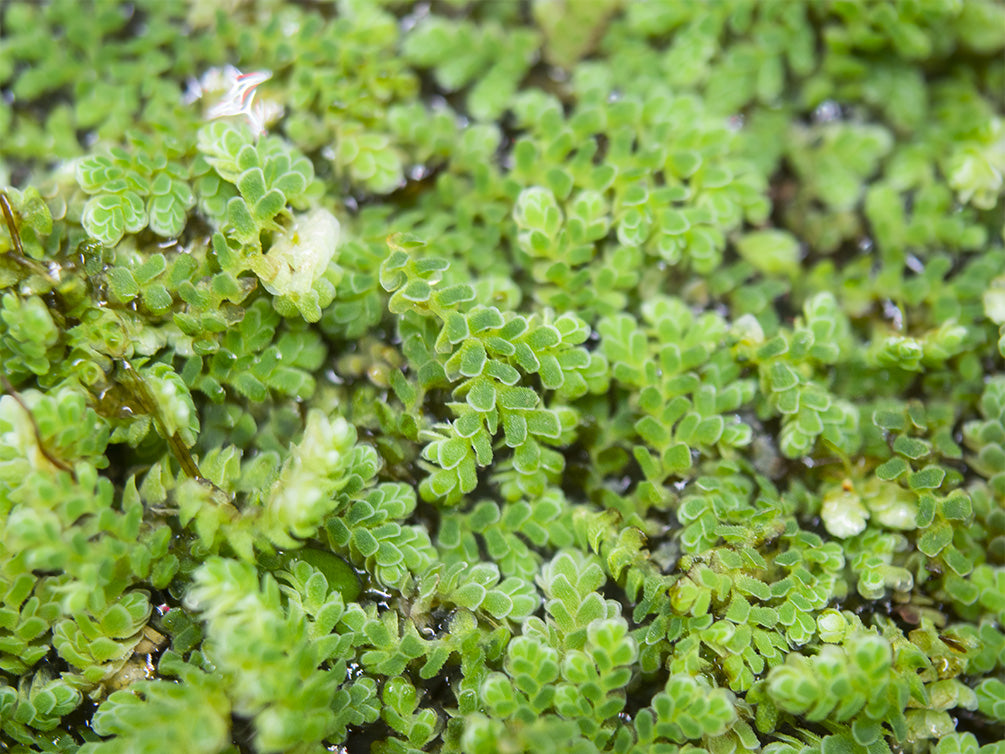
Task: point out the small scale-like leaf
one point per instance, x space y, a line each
455 327
117 622
957 506
472 358
552 376
517 398
455 294
927 479
365 542
269 206
502 372
544 423
935 538
252 186
417 291
774 252
892 469
470 595
150 269
482 395
911 447
526 358
239 216
103 218
121 284
167 215
652 431
782 377
497 603
487 318
677 457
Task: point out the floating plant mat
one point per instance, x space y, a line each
548 376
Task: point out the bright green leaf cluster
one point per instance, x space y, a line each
134 188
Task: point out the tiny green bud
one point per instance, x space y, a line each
831 625
843 513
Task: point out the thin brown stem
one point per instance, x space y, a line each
148 404
15 237
59 463
8 214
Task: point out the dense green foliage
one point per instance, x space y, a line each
551 376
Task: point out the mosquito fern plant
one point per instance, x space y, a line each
565 375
